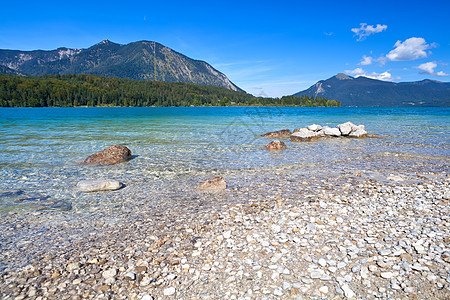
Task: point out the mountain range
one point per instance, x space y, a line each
152 61
363 91
142 60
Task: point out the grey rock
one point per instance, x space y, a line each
99 185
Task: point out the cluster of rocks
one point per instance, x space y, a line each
315 132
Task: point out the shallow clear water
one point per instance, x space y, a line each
40 147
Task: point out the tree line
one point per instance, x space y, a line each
93 90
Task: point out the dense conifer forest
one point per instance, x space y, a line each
92 90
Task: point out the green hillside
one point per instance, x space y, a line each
92 90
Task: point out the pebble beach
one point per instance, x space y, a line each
279 233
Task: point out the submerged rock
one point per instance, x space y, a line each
217 183
99 185
276 145
284 133
111 155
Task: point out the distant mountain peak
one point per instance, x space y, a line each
105 41
142 60
430 80
369 92
342 76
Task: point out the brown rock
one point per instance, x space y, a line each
375 136
276 145
284 133
111 155
295 138
217 183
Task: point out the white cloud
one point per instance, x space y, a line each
356 72
428 68
366 30
385 76
366 60
381 60
411 49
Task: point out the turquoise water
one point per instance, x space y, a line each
40 148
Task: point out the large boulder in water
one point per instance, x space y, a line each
284 133
215 184
111 155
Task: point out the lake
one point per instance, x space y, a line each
40 148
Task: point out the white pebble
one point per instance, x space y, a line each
324 290
169 291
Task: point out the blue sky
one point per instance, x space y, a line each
271 48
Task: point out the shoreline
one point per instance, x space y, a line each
279 233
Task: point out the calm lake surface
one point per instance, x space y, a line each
40 148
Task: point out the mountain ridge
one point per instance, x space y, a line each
141 60
369 92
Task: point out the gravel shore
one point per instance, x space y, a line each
348 230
